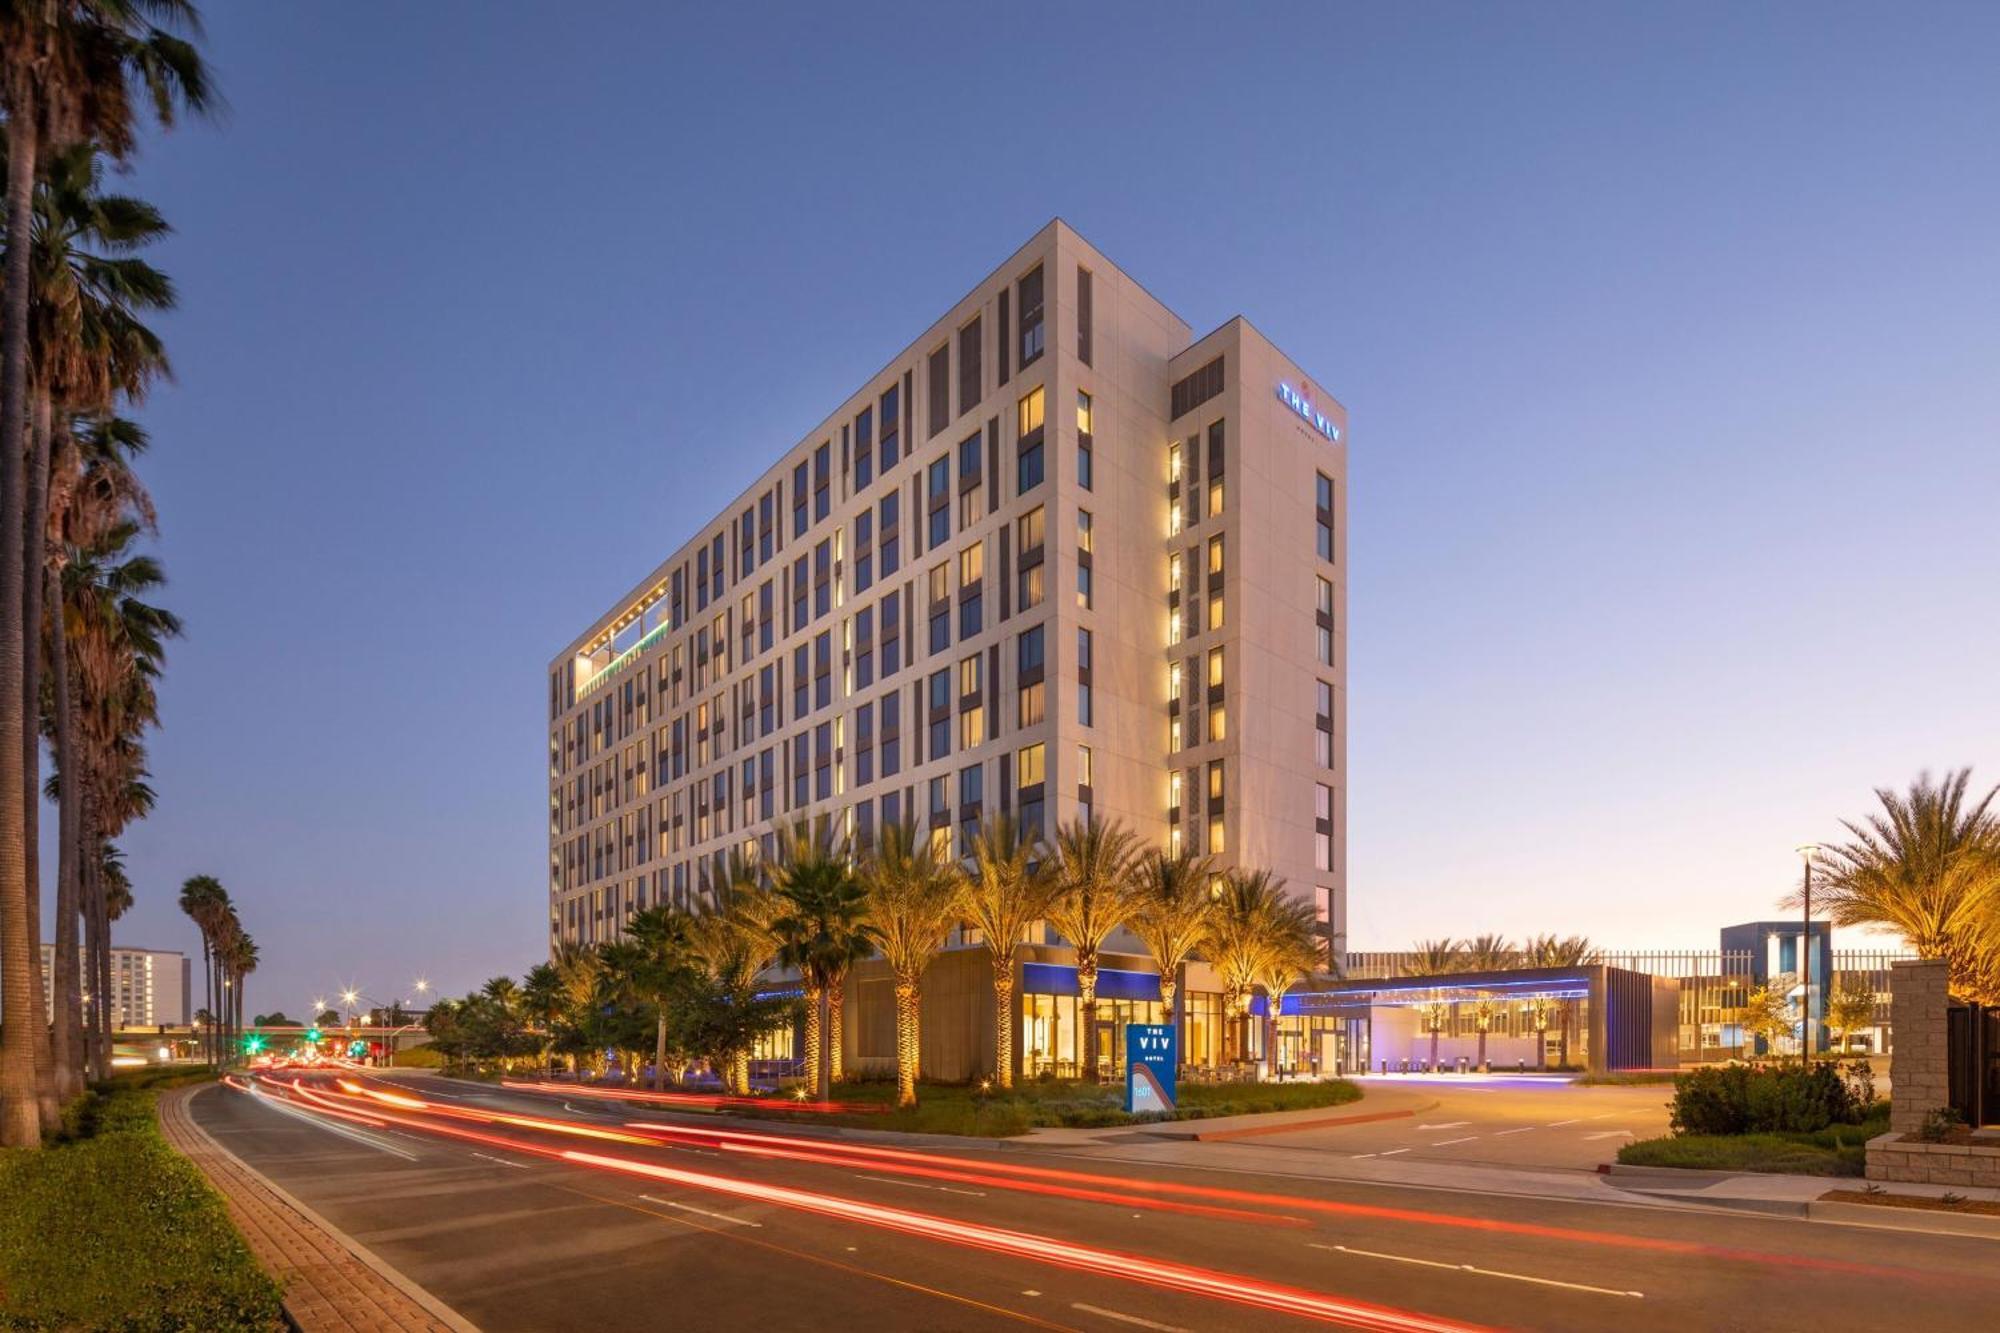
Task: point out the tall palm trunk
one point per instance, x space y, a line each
836 1029
1003 1021
1232 1000
20 961
34 558
823 1084
1086 988
67 1040
98 916
909 1039
815 1025
660 1052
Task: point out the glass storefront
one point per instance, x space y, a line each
1052 1034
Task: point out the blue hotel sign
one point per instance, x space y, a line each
1303 405
1152 1058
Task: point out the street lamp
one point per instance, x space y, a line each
1808 853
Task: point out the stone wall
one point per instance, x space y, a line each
1914 1161
1917 1004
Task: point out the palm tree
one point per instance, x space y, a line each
1573 951
203 900
821 931
1095 891
1242 931
661 955
71 71
1170 914
913 896
86 347
731 941
1291 952
1436 958
96 503
1927 866
1007 889
1487 953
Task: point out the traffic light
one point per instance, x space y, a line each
254 1044
312 1034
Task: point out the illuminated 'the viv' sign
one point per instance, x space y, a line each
1303 405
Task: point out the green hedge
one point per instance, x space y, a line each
1747 1099
109 1228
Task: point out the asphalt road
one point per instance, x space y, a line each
1498 1121
485 1197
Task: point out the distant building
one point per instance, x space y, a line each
149 987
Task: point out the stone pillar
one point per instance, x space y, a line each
1918 1075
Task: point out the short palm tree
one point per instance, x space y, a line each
913 897
1170 914
1926 866
731 941
1007 889
1568 951
822 931
661 951
1436 958
1291 952
1241 934
1488 953
1095 891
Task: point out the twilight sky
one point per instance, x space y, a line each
1670 341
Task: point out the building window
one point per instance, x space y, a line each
1216 843
1030 294
1034 709
968 366
1085 438
940 607
864 448
892 558
1030 764
1218 726
1323 827
969 474
1028 463
1028 530
1083 315
1214 497
822 481
1215 610
891 434
1323 526
940 710
1192 390
937 499
1215 668
1032 587
940 388
1215 555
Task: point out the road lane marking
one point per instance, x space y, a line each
1611 1134
1449 1124
1522 1130
701 1212
1558 1124
1127 1318
1481 1272
357 1135
919 1185
1392 1152
1446 1143
518 1166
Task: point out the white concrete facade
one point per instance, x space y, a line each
666 753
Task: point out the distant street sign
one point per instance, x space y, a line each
1152 1057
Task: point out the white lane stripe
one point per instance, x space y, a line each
1127 1318
1393 1151
1611 1134
357 1135
919 1185
1449 1124
1446 1143
1558 1124
519 1166
1522 1130
1481 1272
702 1212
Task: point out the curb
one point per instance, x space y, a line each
1888 1217
430 1304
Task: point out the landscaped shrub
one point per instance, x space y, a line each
1741 1099
109 1228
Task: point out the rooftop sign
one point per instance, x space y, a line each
1303 405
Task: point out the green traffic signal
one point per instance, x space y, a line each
312 1034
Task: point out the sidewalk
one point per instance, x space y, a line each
1800 1196
1375 1104
332 1284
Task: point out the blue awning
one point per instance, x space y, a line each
1112 983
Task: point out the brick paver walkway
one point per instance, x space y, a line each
328 1287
